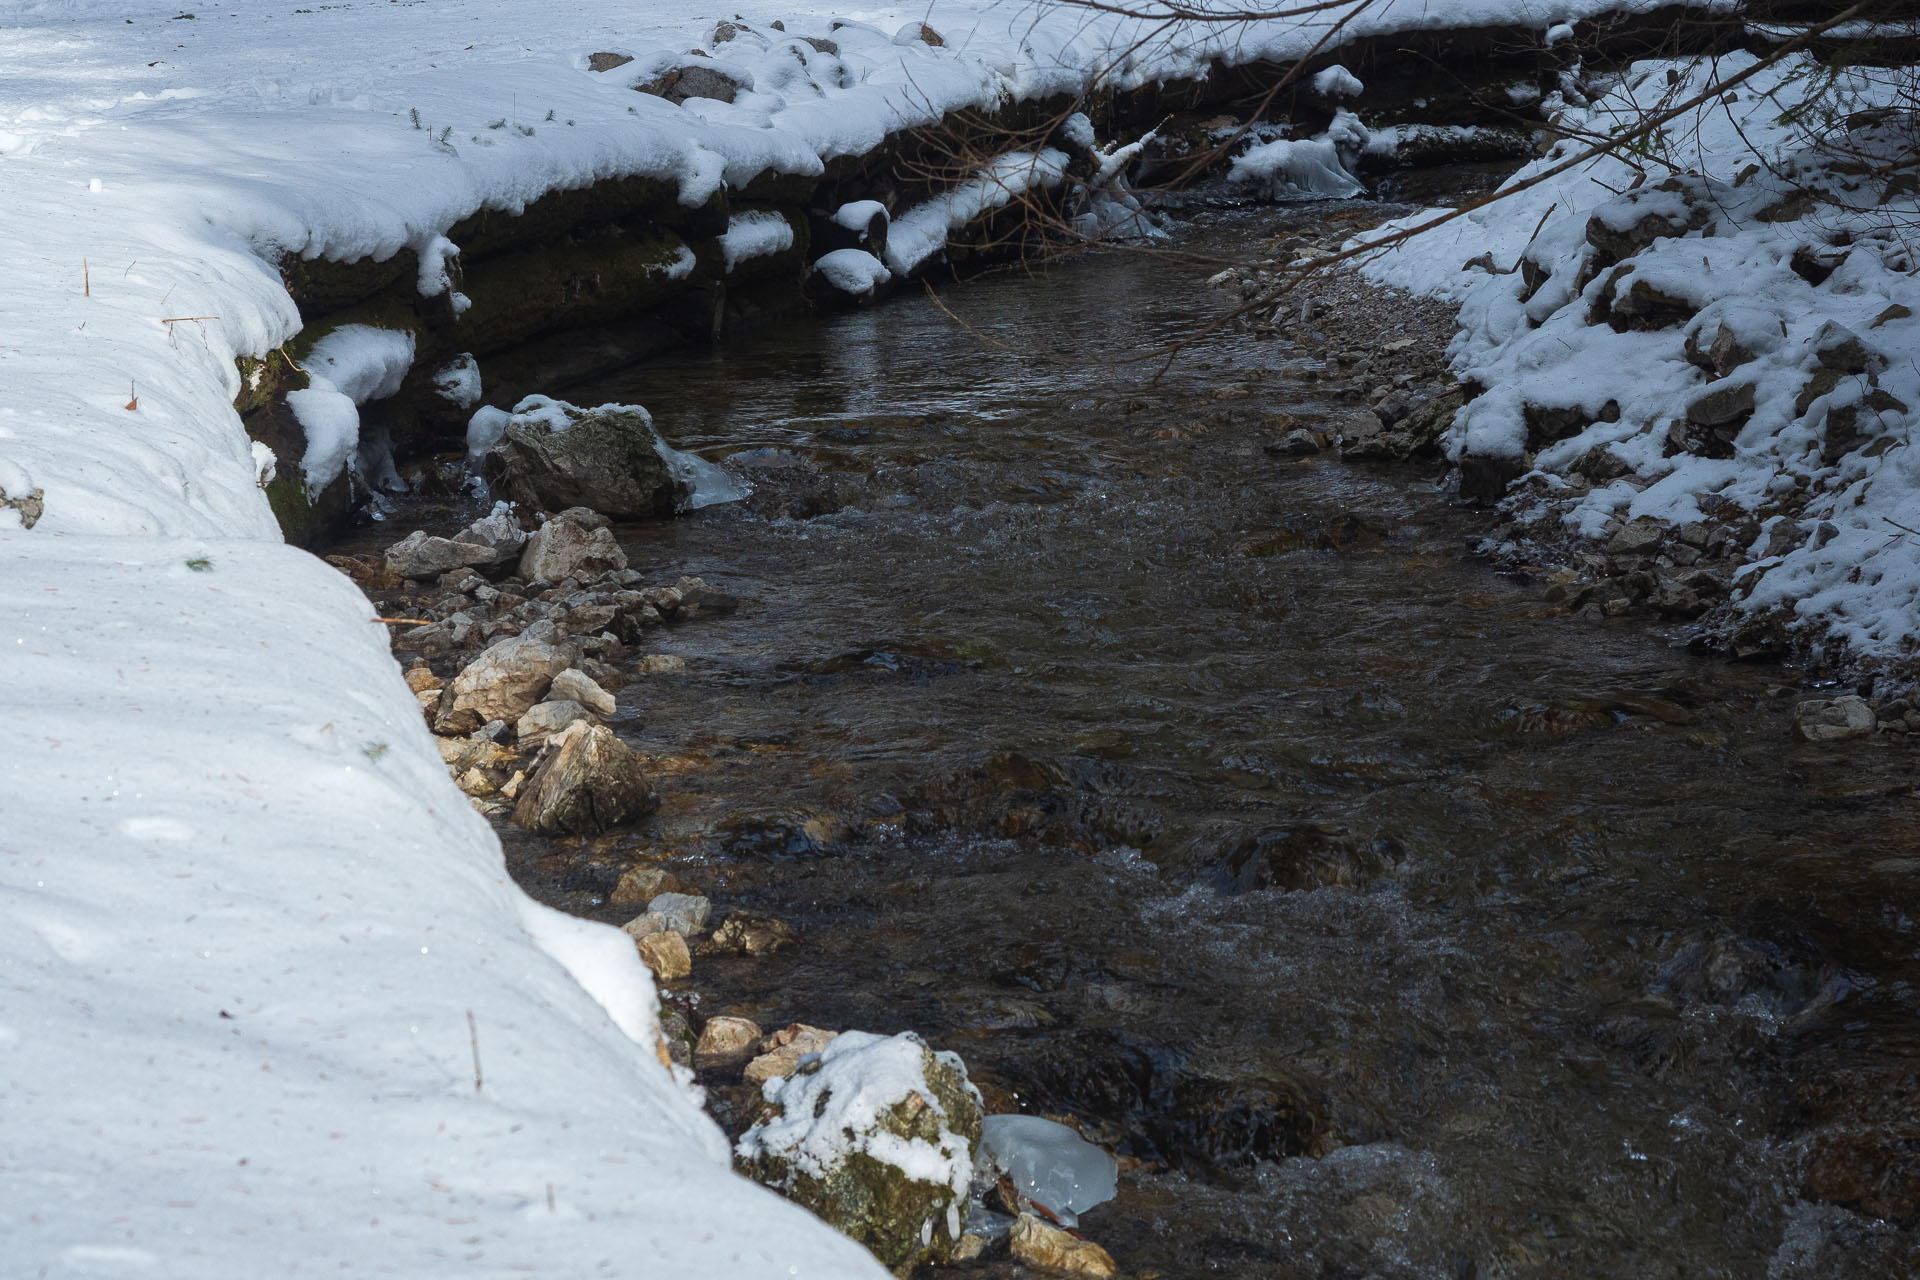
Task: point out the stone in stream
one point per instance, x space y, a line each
547 718
666 954
591 782
751 934
422 555
503 683
725 1041
876 1137
1040 1244
576 685
684 912
643 884
564 548
1831 719
553 455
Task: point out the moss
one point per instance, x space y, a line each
638 200
263 379
320 285
604 276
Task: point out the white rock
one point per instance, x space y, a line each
577 685
563 548
548 717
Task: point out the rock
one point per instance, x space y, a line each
725 1041
475 783
1638 537
1720 405
1614 236
666 954
1841 350
694 81
590 783
421 555
1484 480
1297 443
643 884
421 679
695 593
784 1050
661 664
746 933
563 549
467 753
497 530
645 925
554 455
1043 1245
503 683
545 718
875 1136
1831 719
684 912
607 61
577 685
918 33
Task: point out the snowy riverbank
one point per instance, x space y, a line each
248 916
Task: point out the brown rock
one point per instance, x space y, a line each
503 683
784 1050
725 1041
666 954
1040 1244
746 933
591 782
644 884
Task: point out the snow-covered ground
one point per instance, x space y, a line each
1720 326
244 914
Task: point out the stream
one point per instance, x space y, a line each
1386 920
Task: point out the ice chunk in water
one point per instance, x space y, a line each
707 483
1049 1163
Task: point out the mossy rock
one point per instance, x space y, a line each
305 518
263 379
634 200
607 460
905 1223
320 285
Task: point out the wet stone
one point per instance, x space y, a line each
1043 1245
666 955
1833 719
746 933
725 1041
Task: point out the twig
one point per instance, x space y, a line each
184 319
1902 528
407 622
473 1032
86 278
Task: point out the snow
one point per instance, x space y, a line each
1294 169
754 235
1848 582
220 796
852 270
921 232
1337 82
347 368
858 215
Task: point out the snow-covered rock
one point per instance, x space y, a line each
876 1136
551 454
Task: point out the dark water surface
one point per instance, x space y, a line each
1395 923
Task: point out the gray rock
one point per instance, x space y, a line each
694 81
544 719
684 912
422 555
1831 719
645 925
575 684
563 549
499 531
503 683
589 783
1638 537
1839 348
606 459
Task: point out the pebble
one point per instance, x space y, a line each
1832 719
643 884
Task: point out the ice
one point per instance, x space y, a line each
1295 169
1049 1163
708 484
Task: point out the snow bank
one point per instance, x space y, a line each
1711 343
921 232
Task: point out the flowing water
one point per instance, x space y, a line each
1388 921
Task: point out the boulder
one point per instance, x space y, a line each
784 1051
1831 719
666 954
577 685
497 530
503 683
591 782
562 549
1640 536
1043 1245
553 455
875 1136
421 555
1722 404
